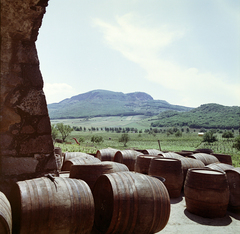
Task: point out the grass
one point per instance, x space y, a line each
188 141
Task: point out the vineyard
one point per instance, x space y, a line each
188 141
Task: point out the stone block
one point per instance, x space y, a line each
41 144
18 166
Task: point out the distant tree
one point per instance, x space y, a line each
124 138
178 133
187 130
228 134
64 130
209 137
97 139
54 132
81 139
237 143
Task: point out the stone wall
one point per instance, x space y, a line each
26 146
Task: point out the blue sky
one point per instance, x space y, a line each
185 52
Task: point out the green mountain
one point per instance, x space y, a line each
206 116
107 103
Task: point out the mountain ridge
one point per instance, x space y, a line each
104 102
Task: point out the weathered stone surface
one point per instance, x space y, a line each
40 144
25 124
27 129
34 103
9 117
44 126
17 166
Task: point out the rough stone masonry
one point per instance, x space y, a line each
26 146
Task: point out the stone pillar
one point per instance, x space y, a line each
26 146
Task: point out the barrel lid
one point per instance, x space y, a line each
207 171
167 159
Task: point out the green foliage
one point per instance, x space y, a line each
236 144
206 116
64 130
54 131
228 134
178 133
97 139
81 139
124 138
209 137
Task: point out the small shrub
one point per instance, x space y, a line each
228 134
209 137
236 144
97 139
124 138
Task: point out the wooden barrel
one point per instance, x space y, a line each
172 155
219 166
5 215
106 154
90 173
206 151
188 163
233 176
171 170
129 202
184 153
59 161
45 206
205 158
152 151
69 155
224 158
127 157
206 192
143 162
58 150
79 161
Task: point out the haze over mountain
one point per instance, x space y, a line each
108 103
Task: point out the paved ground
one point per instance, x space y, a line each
182 221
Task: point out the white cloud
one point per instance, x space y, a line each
56 92
143 45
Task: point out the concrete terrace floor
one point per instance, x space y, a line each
182 221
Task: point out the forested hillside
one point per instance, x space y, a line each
206 116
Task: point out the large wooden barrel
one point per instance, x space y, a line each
106 154
172 155
206 192
127 157
129 202
44 206
233 176
188 163
205 158
90 173
152 151
5 215
143 162
69 155
79 161
171 170
219 166
223 158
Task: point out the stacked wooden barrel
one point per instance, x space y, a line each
5 215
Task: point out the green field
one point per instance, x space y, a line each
188 141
